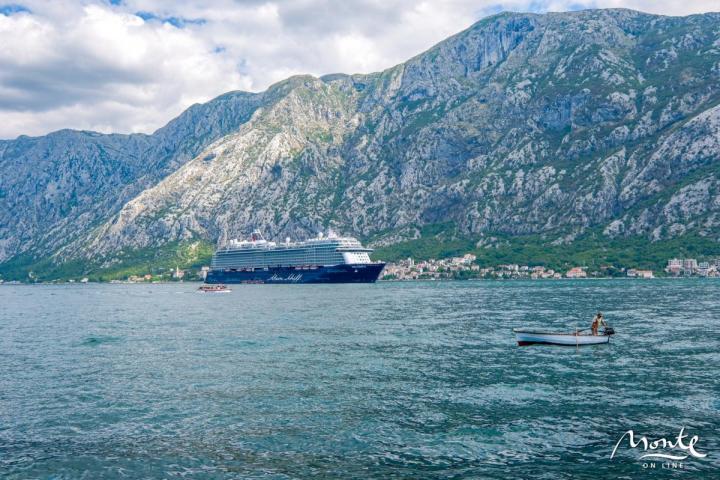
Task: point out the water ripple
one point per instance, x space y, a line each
416 380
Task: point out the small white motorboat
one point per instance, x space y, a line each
574 339
219 288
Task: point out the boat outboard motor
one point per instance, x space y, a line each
609 331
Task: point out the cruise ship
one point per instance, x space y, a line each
325 259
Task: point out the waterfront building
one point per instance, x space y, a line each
632 272
674 266
690 265
466 259
576 272
703 269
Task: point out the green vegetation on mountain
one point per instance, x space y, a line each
158 262
593 251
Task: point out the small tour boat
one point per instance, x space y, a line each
575 339
219 288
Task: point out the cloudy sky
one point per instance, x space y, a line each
132 65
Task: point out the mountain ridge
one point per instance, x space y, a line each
554 125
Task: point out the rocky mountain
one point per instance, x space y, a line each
556 126
58 187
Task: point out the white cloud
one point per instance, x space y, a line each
104 70
91 64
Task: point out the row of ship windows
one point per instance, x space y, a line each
280 253
256 255
277 263
275 259
283 249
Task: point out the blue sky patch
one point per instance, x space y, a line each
8 10
177 22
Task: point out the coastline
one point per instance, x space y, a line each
391 281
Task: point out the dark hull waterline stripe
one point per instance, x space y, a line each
346 273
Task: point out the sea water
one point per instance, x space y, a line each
391 380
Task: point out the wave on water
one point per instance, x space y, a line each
97 340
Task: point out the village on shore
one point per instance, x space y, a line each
465 267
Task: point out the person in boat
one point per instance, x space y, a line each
598 321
